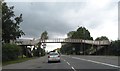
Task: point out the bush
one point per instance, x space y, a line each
10 52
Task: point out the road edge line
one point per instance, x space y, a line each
97 62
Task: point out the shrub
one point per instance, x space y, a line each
10 52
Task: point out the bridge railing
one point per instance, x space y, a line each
101 42
33 42
25 42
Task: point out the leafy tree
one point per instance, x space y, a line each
44 35
104 50
41 51
10 24
70 34
114 48
80 33
102 38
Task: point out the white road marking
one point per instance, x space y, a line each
68 63
97 62
73 68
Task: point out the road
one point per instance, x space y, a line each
70 62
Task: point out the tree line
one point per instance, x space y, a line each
87 49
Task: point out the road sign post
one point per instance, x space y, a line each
73 50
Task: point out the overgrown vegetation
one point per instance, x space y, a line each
114 48
10 52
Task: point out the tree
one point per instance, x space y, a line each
70 34
0 20
1 6
67 49
44 35
114 48
80 33
104 49
10 24
102 38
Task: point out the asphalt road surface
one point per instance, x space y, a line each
72 62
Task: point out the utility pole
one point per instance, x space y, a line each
84 42
44 46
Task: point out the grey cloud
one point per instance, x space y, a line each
37 21
41 16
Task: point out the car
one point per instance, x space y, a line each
53 56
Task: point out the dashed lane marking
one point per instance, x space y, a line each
73 68
68 63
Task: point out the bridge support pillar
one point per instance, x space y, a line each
97 50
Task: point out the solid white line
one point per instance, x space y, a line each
97 62
73 68
68 63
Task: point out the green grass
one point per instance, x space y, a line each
17 61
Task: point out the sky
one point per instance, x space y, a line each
58 17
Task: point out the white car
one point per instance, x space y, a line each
53 56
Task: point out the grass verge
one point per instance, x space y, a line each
16 61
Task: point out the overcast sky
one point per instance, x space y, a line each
100 17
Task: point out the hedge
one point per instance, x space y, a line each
10 52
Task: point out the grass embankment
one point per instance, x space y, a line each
16 61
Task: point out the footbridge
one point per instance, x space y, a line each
61 40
